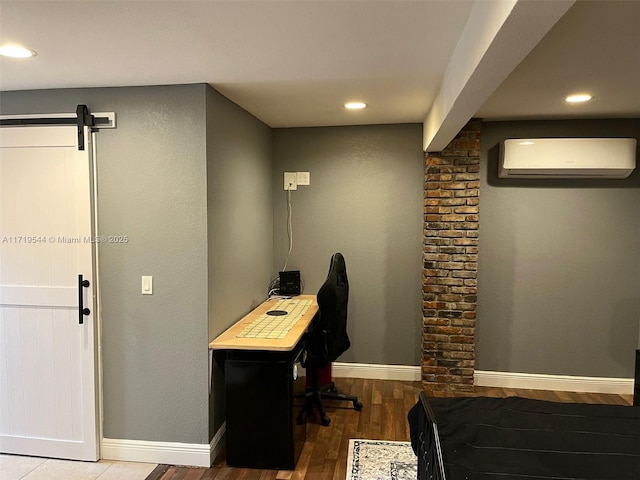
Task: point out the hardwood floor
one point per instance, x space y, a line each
384 416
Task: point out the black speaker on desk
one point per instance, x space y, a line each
290 283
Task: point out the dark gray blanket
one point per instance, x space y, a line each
516 438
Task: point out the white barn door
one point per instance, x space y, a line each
48 400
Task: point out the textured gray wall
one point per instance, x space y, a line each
559 263
365 200
152 187
240 222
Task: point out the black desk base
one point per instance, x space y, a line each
262 431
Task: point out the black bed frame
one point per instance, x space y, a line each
430 464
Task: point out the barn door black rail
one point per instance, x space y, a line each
83 119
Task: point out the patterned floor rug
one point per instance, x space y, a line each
381 460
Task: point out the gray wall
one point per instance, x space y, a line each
152 187
365 201
196 184
559 263
240 222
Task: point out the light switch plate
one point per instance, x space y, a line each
303 178
147 285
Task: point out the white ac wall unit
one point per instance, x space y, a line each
567 158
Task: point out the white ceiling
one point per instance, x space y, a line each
595 48
294 63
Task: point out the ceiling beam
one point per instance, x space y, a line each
496 38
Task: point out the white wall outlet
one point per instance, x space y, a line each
290 182
303 178
147 285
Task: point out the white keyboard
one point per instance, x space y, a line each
277 326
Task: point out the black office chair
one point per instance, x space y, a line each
328 339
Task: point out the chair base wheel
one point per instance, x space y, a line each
325 421
357 406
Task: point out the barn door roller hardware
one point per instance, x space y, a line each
82 118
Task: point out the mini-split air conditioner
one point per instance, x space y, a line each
567 158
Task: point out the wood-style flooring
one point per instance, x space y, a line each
383 416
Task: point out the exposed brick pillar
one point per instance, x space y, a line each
450 265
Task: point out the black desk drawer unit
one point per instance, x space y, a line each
262 431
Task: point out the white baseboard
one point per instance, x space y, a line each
410 373
563 383
171 453
483 378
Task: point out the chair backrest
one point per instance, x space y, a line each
328 338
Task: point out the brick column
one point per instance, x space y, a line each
450 264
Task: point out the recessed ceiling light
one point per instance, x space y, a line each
355 105
578 97
16 51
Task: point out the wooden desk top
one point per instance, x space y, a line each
228 340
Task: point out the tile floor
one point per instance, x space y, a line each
17 467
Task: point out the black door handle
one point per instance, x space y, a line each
81 310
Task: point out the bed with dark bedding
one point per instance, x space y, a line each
482 438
